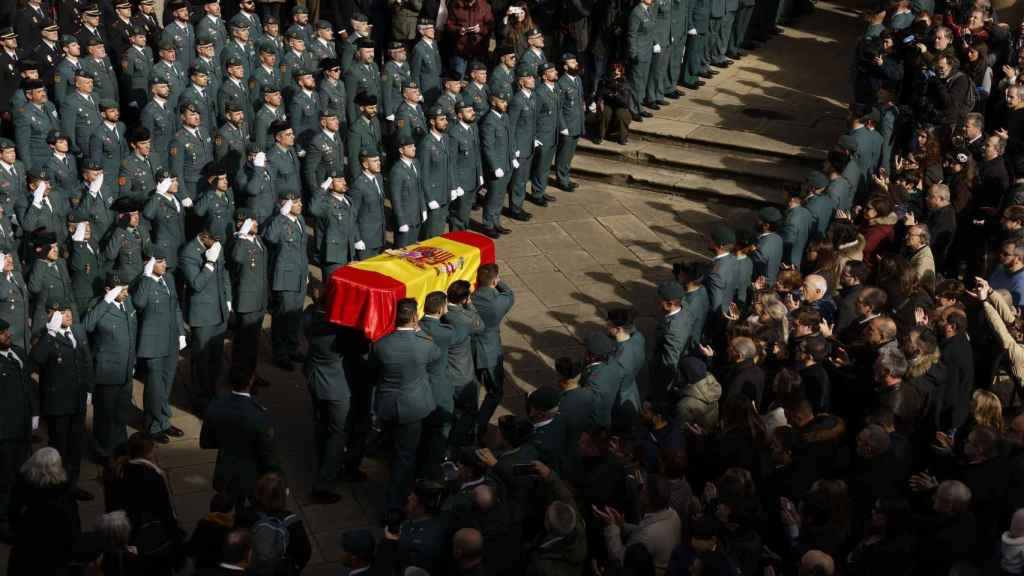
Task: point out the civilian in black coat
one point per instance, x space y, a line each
941 221
958 356
814 381
744 377
43 516
851 282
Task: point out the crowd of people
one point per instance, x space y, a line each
836 391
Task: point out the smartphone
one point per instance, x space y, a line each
523 470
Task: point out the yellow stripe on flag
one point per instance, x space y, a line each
422 281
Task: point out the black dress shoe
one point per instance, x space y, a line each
520 215
646 114
707 74
692 85
662 102
651 106
542 202
502 230
175 432
83 495
734 55
491 233
284 364
325 496
550 198
673 95
638 118
719 65
160 438
623 141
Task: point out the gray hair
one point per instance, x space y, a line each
744 347
819 282
116 527
44 468
560 519
940 190
893 362
922 229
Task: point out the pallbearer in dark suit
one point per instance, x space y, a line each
112 327
61 357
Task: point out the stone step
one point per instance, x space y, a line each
704 159
689 184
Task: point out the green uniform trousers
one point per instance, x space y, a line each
156 396
564 156
286 322
111 409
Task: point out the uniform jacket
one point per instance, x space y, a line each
239 428
492 304
160 322
65 372
208 285
112 335
288 240
403 385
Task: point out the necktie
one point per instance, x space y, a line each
377 184
10 355
164 285
70 337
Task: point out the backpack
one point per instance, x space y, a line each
270 540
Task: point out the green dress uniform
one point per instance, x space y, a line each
321 49
216 210
713 52
448 101
205 100
425 66
467 170
547 133
721 283
741 25
403 399
570 125
107 146
136 68
437 426
208 287
479 96
604 378
191 151
161 122
492 304
304 115
672 336
64 364
32 124
328 388
696 304
64 80
264 118
698 20
160 329
184 38
796 231
215 78
641 52
631 355
166 218
239 428
410 121
51 214
768 256
500 80
85 267
532 59
822 207
17 394
841 193
333 99
368 195
461 373
334 235
113 329
405 190
679 25
287 237
250 292
325 155
658 76
137 178
125 250
394 77
348 53
230 148
361 78
14 307
64 178
261 78
13 188
363 134
104 79
245 54
213 28
294 61
284 168
496 148
258 194
175 74
48 281
522 119
79 118
436 163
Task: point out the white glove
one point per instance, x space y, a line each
403 228
35 423
37 194
286 208
390 117
537 143
3 261
112 294
182 342
593 108
229 306
453 195
88 397
163 186
360 245
691 32
326 183
423 216
482 180
260 160
499 173
246 228
565 131
213 252
657 48
96 184
461 192
433 205
187 202
148 269
515 163
302 153
56 321
79 234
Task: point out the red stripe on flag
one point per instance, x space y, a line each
482 243
361 298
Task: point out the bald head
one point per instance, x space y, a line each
817 562
483 497
468 546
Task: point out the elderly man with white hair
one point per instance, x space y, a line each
919 252
815 294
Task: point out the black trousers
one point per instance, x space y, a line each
357 425
464 421
13 453
406 436
433 444
66 432
493 381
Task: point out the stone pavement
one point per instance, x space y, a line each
598 247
